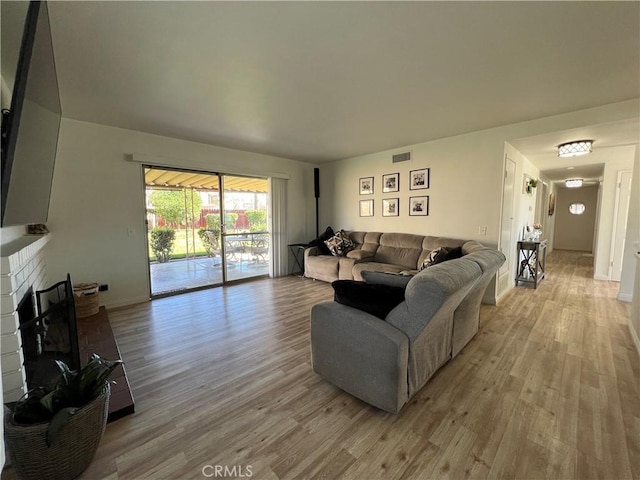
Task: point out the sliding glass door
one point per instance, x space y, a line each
245 231
202 235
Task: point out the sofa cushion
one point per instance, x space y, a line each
376 299
402 249
319 242
360 267
323 267
384 278
360 254
340 244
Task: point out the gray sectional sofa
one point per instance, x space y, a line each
380 252
387 361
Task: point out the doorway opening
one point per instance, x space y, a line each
204 229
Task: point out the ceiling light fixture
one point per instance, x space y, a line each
573 183
575 149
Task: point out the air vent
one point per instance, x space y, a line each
401 157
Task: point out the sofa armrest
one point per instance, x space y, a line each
360 255
361 354
311 252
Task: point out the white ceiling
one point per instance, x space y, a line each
320 81
542 150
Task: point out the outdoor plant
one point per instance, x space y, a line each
161 242
230 220
176 206
257 220
67 394
213 223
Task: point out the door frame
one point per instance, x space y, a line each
613 251
223 228
220 175
153 296
510 263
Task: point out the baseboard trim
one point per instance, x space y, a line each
489 299
634 336
625 297
501 295
599 276
126 301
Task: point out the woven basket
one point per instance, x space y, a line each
71 451
87 299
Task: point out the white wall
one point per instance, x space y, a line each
576 232
461 191
525 203
8 234
97 196
617 159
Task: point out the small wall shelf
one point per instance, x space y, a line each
532 259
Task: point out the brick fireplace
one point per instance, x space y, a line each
22 270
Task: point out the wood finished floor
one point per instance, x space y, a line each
547 389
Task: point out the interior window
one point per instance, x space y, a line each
577 208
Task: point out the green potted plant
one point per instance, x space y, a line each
161 241
53 432
531 185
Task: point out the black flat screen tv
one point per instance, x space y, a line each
30 128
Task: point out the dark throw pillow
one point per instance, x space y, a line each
319 242
455 253
436 256
375 299
441 254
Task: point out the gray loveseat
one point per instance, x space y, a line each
386 362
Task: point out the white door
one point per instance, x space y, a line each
621 213
507 246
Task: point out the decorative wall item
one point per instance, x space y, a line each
419 179
366 186
419 206
529 184
391 182
366 208
552 204
390 207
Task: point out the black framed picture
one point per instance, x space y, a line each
419 206
366 186
366 208
390 207
419 179
391 182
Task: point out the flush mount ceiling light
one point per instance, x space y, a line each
573 183
575 149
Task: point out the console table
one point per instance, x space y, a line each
532 259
